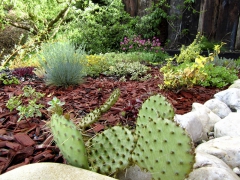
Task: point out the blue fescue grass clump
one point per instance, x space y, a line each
63 63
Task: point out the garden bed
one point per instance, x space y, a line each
31 142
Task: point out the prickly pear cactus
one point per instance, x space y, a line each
69 140
155 107
95 114
89 119
110 101
111 150
163 147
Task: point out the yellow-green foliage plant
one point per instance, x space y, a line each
189 53
187 74
96 64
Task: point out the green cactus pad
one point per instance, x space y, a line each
89 119
69 140
164 149
95 114
110 101
111 150
155 107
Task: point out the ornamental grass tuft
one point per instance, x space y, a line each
63 63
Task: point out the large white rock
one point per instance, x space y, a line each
212 173
229 126
236 84
225 148
218 107
51 171
210 167
192 125
231 97
206 117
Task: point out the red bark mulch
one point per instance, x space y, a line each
31 142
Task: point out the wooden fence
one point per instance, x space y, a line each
218 20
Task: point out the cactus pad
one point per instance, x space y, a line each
89 119
163 147
164 150
155 107
110 101
95 114
111 150
69 140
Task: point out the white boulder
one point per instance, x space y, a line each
191 123
210 167
225 148
229 126
218 107
205 116
53 171
236 84
231 97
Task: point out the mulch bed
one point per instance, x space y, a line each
31 141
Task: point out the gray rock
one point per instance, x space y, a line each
205 116
212 173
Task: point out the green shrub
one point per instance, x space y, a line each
101 28
135 70
218 76
96 64
63 64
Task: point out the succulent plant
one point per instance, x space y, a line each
163 147
95 114
110 101
111 150
158 145
69 140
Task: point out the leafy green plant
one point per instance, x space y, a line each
8 80
187 73
63 64
148 25
55 106
100 27
222 61
218 76
189 53
27 103
133 69
96 64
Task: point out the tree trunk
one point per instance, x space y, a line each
175 25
